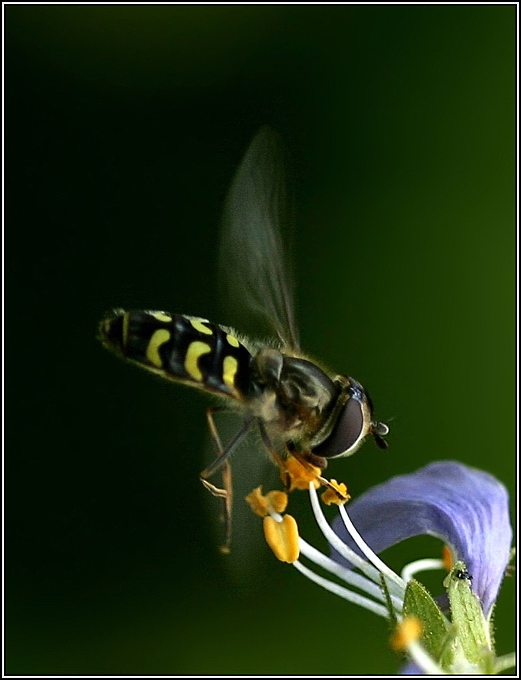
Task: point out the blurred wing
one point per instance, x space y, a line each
251 261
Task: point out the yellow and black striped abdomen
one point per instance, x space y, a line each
183 348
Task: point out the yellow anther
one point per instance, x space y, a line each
257 502
263 504
330 496
447 558
407 631
278 500
299 475
282 537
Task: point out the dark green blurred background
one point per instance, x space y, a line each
124 125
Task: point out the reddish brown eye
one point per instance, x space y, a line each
346 432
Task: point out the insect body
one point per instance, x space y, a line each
297 407
181 348
294 402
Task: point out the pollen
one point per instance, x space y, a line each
447 558
283 538
262 504
407 631
337 495
299 475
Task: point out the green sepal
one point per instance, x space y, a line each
471 628
419 603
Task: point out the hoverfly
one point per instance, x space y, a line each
298 408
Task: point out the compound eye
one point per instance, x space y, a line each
347 432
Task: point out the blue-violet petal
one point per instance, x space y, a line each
464 507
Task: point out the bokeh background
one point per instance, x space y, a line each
124 125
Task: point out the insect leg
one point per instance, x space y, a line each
274 454
226 493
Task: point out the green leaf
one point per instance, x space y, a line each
471 627
419 603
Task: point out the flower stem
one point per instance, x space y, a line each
347 553
503 663
371 556
421 565
348 575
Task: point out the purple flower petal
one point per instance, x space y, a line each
464 507
411 669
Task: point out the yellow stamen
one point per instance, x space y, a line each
299 475
262 504
278 500
330 497
447 558
282 537
407 631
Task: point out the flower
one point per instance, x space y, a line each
468 510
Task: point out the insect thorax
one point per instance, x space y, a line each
295 397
